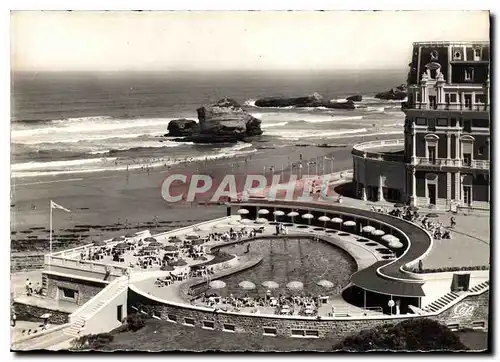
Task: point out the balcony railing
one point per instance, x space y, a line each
438 162
449 107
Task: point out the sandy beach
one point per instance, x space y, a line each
104 204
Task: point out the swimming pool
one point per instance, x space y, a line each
291 259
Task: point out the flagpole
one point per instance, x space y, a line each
50 234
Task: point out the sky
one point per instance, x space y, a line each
175 41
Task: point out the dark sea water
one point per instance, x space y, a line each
79 122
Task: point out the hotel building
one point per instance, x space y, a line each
446 159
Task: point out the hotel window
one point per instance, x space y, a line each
480 98
453 122
172 318
208 325
269 331
469 74
480 123
480 150
189 321
453 98
442 122
477 54
229 327
421 121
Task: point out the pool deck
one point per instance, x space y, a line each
363 254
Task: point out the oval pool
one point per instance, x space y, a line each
291 259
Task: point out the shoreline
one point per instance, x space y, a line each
115 201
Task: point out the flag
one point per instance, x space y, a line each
53 205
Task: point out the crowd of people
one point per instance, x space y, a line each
283 305
429 222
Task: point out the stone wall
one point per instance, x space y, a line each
284 326
31 313
85 289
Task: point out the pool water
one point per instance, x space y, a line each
293 259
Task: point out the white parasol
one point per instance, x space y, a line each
217 284
247 285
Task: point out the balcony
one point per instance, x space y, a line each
450 107
447 162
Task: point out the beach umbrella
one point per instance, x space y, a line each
247 285
263 212
324 218
292 214
149 247
46 315
246 221
217 284
413 208
149 239
261 220
243 211
325 283
432 215
336 220
170 248
395 244
398 205
377 232
175 239
130 235
121 246
198 242
270 284
156 244
167 268
192 237
118 238
387 238
349 223
295 285
368 229
278 213
308 217
99 243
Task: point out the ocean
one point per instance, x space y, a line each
88 122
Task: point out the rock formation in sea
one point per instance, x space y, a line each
313 100
182 127
397 93
355 98
223 121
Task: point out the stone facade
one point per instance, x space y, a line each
84 289
461 315
31 313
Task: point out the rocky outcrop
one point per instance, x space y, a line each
224 121
314 100
182 127
355 98
398 93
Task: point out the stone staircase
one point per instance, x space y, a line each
479 287
79 319
449 298
441 302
